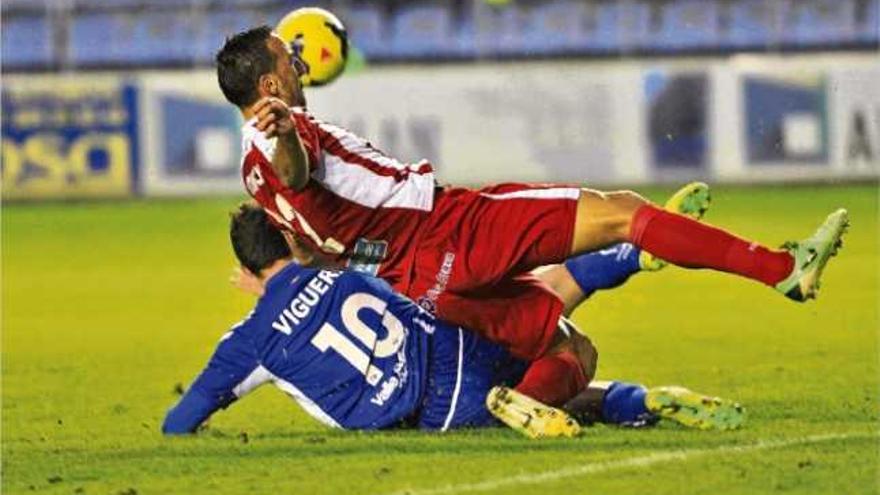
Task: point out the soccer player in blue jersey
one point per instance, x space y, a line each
356 355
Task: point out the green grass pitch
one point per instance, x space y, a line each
106 306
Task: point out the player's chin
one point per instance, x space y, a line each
298 97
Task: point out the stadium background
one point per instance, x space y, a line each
108 305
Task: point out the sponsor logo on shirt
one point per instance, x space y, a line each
396 381
428 302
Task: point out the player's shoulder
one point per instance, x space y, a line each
249 130
241 328
286 285
303 118
356 281
293 274
255 141
238 340
306 120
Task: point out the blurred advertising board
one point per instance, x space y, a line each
69 138
854 117
797 118
744 118
677 108
786 119
484 123
191 135
738 119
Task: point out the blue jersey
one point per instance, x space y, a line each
353 353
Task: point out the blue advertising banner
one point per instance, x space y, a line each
69 139
786 120
677 113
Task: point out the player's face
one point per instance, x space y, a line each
291 90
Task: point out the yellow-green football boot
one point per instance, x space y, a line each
528 416
694 410
811 255
692 200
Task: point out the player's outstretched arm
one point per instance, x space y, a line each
290 161
232 372
188 414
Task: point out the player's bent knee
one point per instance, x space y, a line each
604 218
571 339
629 201
586 353
625 204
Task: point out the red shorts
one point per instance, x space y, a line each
473 261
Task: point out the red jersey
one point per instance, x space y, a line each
360 207
462 253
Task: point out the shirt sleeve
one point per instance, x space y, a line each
232 371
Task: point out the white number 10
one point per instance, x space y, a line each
329 337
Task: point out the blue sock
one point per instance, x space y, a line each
604 269
624 404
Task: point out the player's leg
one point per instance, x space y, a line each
611 403
603 219
630 404
467 385
564 372
563 360
521 314
483 237
487 235
549 382
579 277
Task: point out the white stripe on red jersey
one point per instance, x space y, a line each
355 170
359 205
549 193
351 168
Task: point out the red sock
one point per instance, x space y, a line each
554 379
688 243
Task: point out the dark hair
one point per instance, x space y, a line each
244 58
255 239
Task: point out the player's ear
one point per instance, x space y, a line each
246 281
269 85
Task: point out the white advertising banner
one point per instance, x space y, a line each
478 124
744 118
854 108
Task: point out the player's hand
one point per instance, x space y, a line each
245 281
273 117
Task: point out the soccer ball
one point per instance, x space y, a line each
319 41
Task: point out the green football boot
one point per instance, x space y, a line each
528 416
694 410
692 200
811 255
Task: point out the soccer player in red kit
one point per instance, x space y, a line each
462 253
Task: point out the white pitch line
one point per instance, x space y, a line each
641 461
